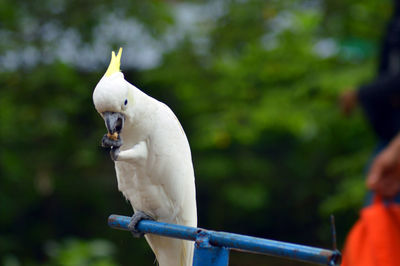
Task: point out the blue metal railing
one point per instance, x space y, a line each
212 247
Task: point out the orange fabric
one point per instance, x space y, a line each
375 238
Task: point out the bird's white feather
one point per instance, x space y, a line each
154 167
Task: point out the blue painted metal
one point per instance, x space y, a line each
207 254
232 241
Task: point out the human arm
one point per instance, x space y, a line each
384 174
348 100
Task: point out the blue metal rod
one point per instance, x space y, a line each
235 241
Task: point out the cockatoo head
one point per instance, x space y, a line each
113 95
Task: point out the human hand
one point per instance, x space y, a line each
384 175
348 101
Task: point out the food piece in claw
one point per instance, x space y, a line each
113 136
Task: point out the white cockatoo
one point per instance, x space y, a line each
152 160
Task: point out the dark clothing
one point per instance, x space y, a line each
380 99
390 50
381 103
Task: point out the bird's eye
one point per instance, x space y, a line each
126 102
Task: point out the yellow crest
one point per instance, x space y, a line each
114 63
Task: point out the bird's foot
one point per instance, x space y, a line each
136 218
107 142
114 152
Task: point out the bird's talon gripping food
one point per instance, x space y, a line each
113 136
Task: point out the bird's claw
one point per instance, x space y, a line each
106 142
136 218
114 152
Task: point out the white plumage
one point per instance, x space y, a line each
154 165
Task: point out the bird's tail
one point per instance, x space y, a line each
187 253
170 251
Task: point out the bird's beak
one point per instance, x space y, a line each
114 121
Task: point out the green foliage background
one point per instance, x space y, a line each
254 84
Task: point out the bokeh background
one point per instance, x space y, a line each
254 83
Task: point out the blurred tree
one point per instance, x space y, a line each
254 84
